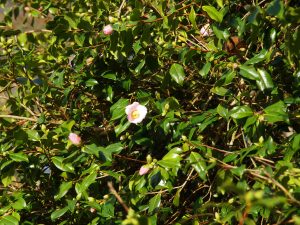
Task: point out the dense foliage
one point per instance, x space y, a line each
220 140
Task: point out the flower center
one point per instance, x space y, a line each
135 114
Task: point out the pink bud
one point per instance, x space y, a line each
108 29
143 170
75 139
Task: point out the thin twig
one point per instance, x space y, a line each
18 117
118 197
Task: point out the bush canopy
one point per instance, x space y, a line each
149 112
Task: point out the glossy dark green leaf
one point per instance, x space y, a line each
177 73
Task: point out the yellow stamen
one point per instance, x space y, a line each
135 114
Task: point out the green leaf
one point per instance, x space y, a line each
239 112
197 161
205 69
171 159
91 82
79 39
63 189
58 213
249 72
192 18
220 3
9 220
276 8
112 149
33 135
154 202
19 157
177 73
265 81
19 204
58 162
87 181
276 112
220 91
176 199
213 13
257 58
118 109
229 158
296 143
222 111
124 125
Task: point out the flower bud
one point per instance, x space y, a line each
143 170
108 29
75 139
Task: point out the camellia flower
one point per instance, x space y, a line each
135 112
206 30
143 170
75 139
108 29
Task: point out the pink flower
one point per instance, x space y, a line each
75 139
143 170
135 112
206 30
108 29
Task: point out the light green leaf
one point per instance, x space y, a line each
177 73
257 58
154 202
19 157
19 204
33 135
91 82
63 189
213 13
9 220
192 17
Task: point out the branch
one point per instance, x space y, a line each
18 117
118 197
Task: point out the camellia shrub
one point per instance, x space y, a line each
149 112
